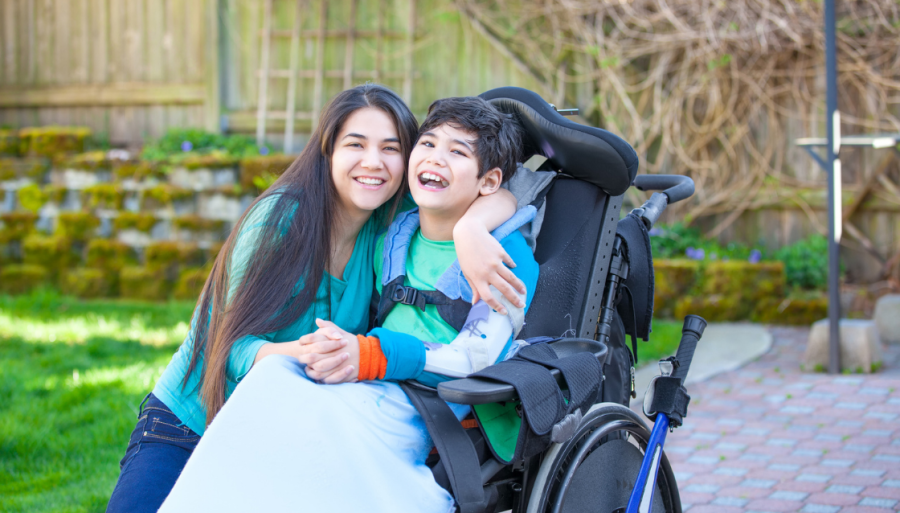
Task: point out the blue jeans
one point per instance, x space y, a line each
159 447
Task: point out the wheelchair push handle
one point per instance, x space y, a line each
675 188
690 335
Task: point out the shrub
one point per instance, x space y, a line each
77 225
52 141
806 263
16 225
105 195
144 283
134 221
20 279
190 283
108 254
179 141
32 197
88 283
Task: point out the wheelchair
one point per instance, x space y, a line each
596 289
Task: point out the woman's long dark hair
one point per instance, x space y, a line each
295 243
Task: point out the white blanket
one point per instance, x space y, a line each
285 443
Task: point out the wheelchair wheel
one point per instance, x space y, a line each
596 469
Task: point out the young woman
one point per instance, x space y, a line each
302 251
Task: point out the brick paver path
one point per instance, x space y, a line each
768 437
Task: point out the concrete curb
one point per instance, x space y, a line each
724 347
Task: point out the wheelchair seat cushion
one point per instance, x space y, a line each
584 152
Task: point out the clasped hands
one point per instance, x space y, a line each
331 354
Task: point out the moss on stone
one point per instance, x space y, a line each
9 143
32 197
134 221
7 170
22 278
136 170
105 195
791 311
16 225
713 308
257 171
33 168
746 282
673 279
190 283
89 161
144 283
108 254
52 252
88 282
195 223
77 225
54 142
164 194
165 254
214 160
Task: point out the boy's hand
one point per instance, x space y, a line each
481 258
340 365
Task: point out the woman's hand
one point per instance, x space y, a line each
481 258
331 354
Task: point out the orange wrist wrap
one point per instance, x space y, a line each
372 363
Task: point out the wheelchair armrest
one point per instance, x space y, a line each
484 391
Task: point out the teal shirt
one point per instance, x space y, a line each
349 308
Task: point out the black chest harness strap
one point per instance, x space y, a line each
452 311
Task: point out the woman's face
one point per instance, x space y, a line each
367 165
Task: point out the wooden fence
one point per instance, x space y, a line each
128 69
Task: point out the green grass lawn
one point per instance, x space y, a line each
72 374
663 342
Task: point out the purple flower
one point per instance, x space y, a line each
187 146
264 150
655 231
695 254
755 257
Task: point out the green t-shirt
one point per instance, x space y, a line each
425 263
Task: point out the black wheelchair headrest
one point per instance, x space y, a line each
584 152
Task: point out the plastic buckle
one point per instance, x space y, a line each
404 295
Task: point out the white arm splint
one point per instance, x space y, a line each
480 343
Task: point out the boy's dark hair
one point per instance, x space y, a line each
499 136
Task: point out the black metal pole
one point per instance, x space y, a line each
834 192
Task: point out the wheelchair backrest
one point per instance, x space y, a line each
595 168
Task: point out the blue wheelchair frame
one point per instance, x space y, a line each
641 499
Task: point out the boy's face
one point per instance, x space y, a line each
443 171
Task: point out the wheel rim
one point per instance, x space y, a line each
554 481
